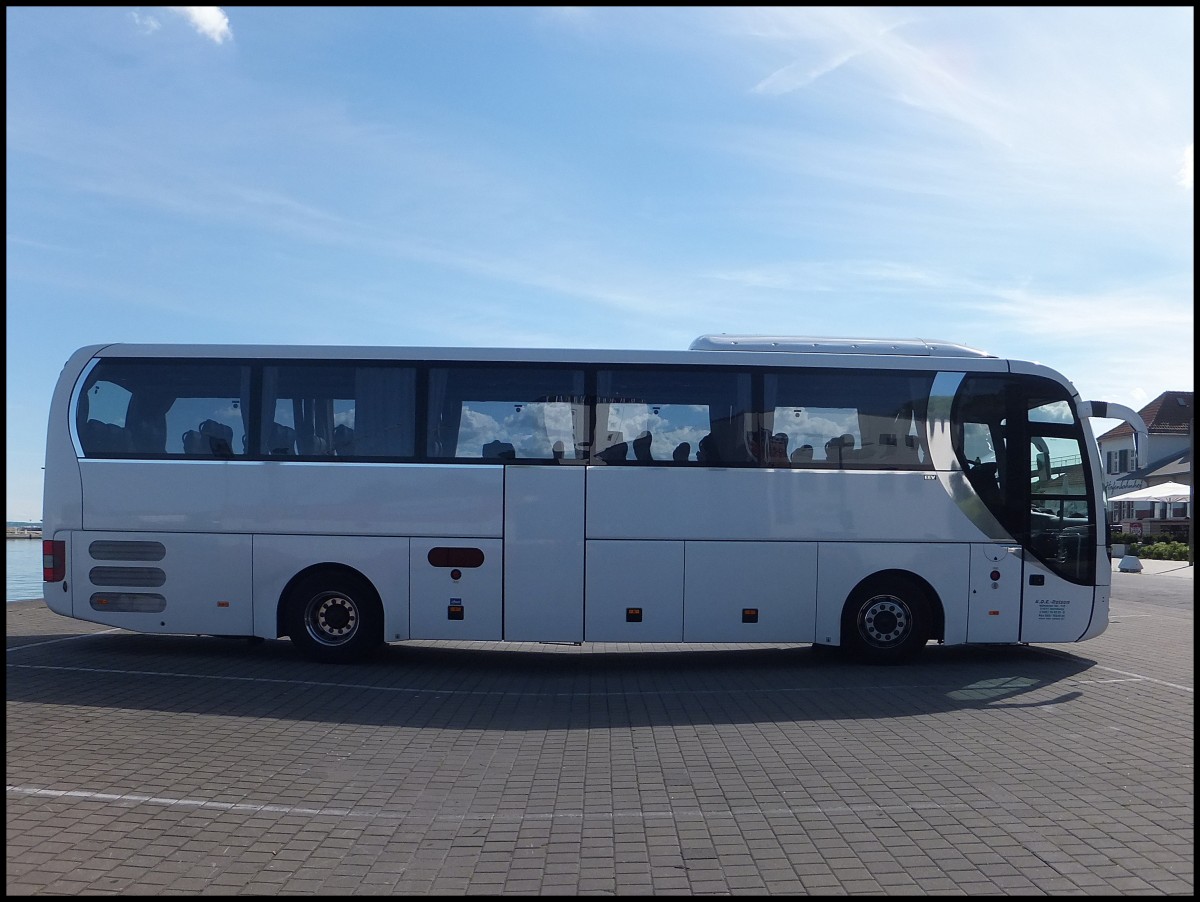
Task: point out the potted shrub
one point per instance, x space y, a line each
1124 543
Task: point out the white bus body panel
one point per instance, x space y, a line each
777 579
275 497
381 560
647 576
477 590
842 565
994 605
206 582
543 554
771 505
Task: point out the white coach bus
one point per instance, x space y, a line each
865 493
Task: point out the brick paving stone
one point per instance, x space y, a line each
475 768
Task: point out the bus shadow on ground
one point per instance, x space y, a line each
492 687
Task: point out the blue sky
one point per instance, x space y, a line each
1017 179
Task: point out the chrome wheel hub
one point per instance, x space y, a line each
885 620
332 618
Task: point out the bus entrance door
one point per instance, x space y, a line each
1053 609
543 553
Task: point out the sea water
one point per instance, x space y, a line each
22 569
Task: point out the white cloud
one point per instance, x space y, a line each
799 75
210 21
145 24
1185 170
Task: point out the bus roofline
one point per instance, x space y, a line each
905 347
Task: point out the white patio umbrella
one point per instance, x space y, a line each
1167 491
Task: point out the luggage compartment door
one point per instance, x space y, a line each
543 553
455 589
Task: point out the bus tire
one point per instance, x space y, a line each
334 617
886 620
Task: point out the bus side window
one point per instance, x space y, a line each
675 415
335 411
860 420
504 412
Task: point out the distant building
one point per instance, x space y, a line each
22 531
1165 457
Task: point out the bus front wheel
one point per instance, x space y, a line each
334 617
886 621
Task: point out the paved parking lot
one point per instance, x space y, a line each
170 765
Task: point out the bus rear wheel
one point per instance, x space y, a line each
334 617
886 621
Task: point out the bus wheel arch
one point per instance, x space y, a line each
890 615
332 613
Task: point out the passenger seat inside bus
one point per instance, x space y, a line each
498 450
220 437
310 444
777 452
282 441
616 450
802 455
343 441
835 450
985 477
210 438
615 454
888 451
101 437
641 447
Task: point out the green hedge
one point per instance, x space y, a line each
1164 551
1153 548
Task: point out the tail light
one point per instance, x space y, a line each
54 561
